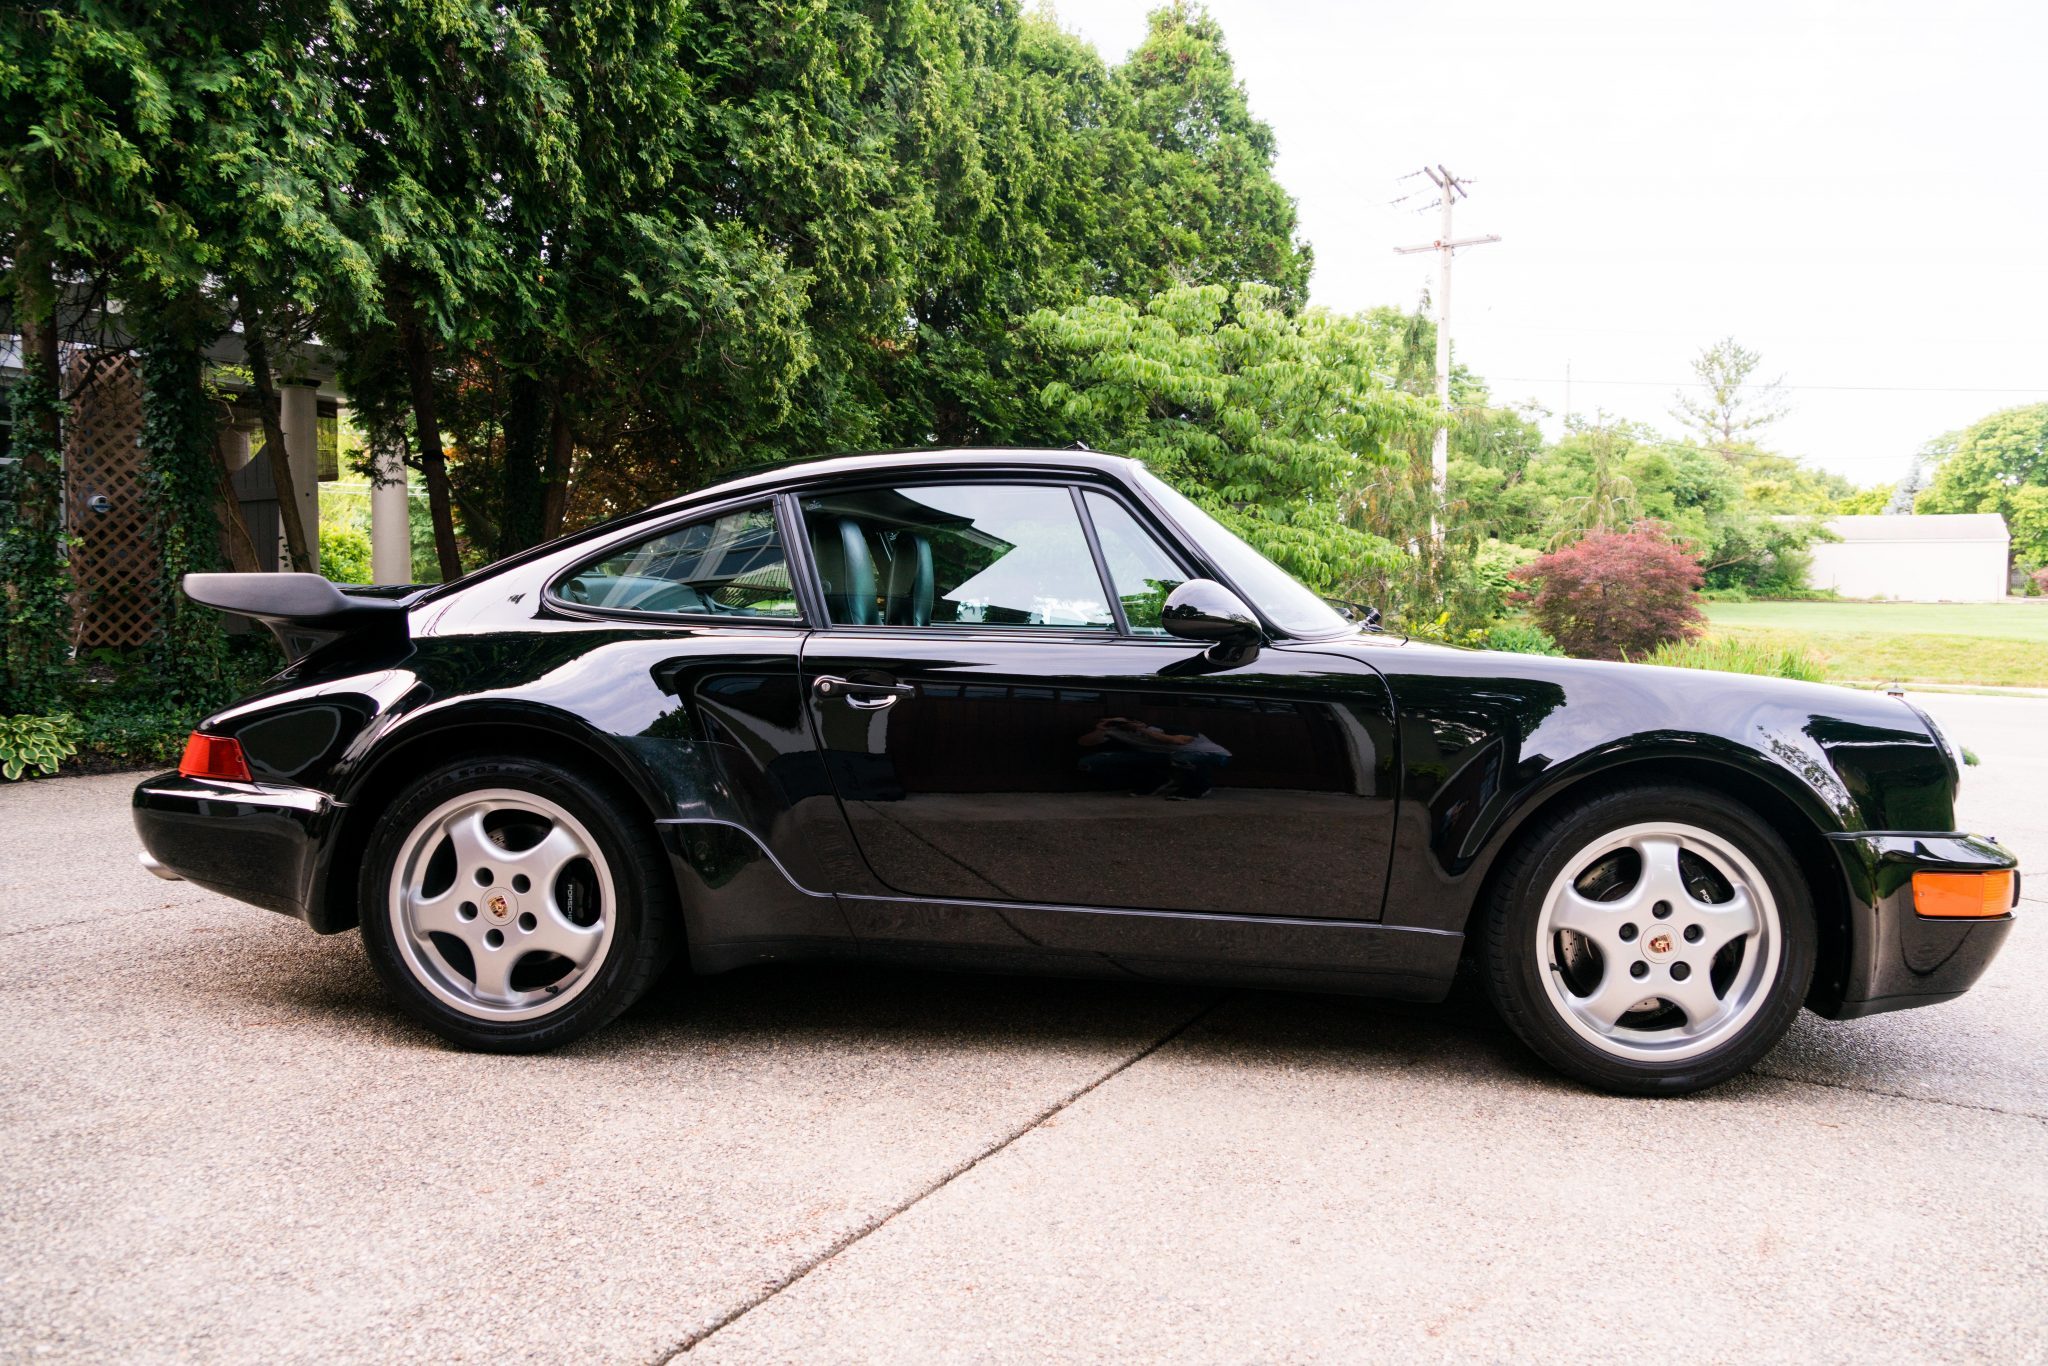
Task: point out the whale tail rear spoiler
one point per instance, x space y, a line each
305 611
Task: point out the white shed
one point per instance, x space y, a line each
1936 557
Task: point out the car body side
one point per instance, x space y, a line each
705 726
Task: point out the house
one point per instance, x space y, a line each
1935 557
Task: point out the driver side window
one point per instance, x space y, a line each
731 565
982 555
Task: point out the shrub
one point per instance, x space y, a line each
34 743
2039 583
1615 594
344 554
1493 569
1739 657
1519 637
136 731
125 717
1437 628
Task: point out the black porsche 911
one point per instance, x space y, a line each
1028 710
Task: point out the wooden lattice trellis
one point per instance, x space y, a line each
114 561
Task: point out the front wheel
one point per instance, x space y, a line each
512 906
1652 941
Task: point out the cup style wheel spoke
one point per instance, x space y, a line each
1659 940
475 909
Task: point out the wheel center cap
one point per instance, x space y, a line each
498 908
1659 945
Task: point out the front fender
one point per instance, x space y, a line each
1488 740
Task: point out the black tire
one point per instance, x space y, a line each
640 913
1515 964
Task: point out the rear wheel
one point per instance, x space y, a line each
1654 941
512 905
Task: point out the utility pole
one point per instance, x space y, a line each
1451 189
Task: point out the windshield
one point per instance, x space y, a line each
1284 602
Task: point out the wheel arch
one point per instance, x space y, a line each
428 744
1802 831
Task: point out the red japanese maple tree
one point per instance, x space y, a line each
1615 595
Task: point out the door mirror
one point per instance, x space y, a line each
1204 610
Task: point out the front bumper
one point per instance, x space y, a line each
1895 957
260 844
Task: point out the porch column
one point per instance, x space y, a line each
299 414
390 525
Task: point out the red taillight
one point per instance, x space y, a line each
214 756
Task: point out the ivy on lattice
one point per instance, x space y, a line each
179 480
34 587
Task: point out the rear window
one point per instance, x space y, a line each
731 565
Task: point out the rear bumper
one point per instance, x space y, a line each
260 844
1896 957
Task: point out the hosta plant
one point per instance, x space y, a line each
34 744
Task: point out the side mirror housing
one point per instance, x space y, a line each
1206 611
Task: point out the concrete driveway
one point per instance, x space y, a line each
218 1142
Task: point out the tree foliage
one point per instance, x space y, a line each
1616 594
1999 464
34 590
1733 410
1749 518
579 253
178 480
1269 420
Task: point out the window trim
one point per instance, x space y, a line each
583 611
959 630
1152 527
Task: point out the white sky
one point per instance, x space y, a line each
1857 190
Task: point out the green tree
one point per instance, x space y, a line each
1452 583
1059 177
1609 501
1991 466
1269 420
170 157
2028 522
1733 409
74 100
1208 190
453 118
1786 486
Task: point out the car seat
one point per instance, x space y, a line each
912 585
846 570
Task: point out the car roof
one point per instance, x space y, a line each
806 469
811 468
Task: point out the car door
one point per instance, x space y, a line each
1002 729
689 660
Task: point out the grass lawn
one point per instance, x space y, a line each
1994 644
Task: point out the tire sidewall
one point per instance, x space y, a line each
1517 962
613 985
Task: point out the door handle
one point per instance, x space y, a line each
864 696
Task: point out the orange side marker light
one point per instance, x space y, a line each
1963 895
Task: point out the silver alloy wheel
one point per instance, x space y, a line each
1641 964
478 890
